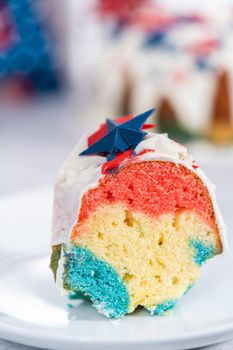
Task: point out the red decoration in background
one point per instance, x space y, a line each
112 164
203 47
144 14
7 31
180 75
15 90
120 9
194 17
102 131
153 19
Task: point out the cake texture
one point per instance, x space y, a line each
134 220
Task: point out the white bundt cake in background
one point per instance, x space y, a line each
162 54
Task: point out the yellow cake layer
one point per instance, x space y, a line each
153 256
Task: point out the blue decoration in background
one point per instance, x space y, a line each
118 28
120 137
202 64
29 55
155 39
159 39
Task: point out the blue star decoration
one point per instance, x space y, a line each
203 64
158 39
119 137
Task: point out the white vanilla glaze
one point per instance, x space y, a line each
80 173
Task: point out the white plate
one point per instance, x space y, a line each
32 312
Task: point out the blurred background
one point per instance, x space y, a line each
67 65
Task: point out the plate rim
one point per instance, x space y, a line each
48 338
54 338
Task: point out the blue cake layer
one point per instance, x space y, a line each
163 307
202 251
85 273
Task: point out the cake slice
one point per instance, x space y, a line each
134 220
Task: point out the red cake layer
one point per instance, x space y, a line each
151 187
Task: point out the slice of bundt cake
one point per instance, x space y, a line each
134 220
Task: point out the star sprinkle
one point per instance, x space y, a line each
155 39
119 138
